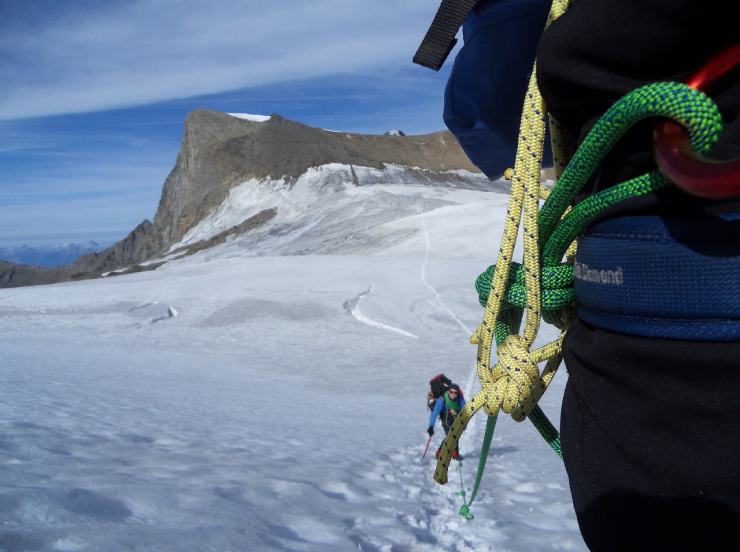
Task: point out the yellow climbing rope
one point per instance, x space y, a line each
515 383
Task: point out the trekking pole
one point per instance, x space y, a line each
423 456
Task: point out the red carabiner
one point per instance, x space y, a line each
676 158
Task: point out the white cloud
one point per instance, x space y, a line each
153 50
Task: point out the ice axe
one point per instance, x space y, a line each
426 448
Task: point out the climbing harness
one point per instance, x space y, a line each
543 285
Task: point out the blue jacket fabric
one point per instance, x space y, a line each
440 408
485 91
671 276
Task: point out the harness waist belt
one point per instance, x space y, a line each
662 276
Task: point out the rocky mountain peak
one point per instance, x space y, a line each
220 151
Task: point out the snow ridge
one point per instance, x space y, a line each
251 117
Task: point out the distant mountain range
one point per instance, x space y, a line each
55 255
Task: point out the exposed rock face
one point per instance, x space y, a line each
16 275
246 225
132 249
220 151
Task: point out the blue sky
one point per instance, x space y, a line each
95 93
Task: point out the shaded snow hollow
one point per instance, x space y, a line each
228 401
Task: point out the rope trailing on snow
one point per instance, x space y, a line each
464 509
515 383
487 438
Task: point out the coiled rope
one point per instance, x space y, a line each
542 285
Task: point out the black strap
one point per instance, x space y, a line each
440 38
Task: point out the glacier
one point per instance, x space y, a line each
269 393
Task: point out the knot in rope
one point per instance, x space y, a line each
465 512
515 377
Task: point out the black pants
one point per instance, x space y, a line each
651 441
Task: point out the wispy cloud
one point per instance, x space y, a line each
95 93
108 55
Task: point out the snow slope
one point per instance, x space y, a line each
228 401
336 208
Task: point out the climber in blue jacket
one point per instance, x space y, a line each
447 407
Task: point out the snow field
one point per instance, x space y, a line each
233 402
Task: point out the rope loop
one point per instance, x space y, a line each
557 286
